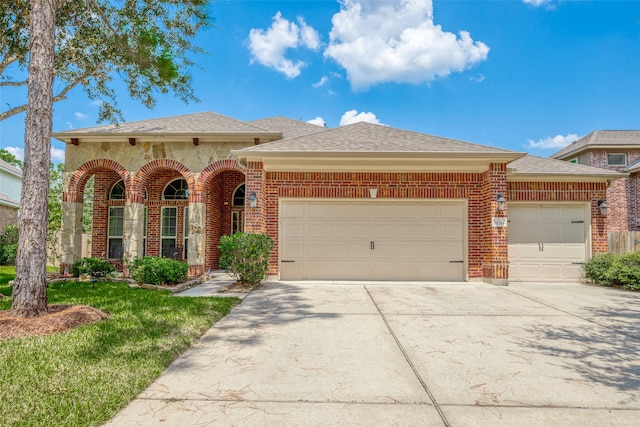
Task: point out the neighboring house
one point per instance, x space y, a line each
358 202
10 189
618 151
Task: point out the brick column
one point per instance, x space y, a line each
255 217
495 267
133 232
70 235
197 238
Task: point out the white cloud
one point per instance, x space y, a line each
478 78
96 103
380 42
321 82
353 116
317 121
69 125
57 154
268 47
538 3
550 142
18 152
81 116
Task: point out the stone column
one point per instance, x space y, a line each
197 238
70 235
133 231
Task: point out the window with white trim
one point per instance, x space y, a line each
237 213
616 159
168 231
116 230
176 190
186 232
144 233
117 191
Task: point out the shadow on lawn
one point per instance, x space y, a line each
603 351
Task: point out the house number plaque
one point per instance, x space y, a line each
499 222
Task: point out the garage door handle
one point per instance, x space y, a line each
372 245
287 260
577 222
456 262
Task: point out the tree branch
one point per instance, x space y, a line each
59 97
22 83
6 61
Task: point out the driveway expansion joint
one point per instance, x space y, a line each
409 361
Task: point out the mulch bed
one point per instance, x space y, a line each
241 287
60 318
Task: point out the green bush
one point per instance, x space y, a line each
91 266
597 269
8 245
625 270
8 254
157 270
620 270
246 256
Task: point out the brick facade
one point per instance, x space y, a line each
623 195
8 216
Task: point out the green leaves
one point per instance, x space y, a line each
246 256
158 271
146 43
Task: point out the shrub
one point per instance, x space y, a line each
8 254
92 266
8 245
597 269
625 270
246 256
157 270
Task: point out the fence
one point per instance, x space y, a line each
621 242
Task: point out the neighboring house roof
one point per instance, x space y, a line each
534 168
362 137
195 125
10 168
633 166
290 128
601 139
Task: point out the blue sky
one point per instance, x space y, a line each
528 75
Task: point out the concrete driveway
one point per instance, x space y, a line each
458 354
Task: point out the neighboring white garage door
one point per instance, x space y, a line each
372 240
547 242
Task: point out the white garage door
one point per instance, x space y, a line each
547 242
372 240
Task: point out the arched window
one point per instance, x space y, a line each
117 191
176 190
238 196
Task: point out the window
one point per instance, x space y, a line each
168 228
237 221
186 232
117 191
616 159
116 230
144 233
176 190
238 196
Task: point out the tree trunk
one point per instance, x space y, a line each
30 285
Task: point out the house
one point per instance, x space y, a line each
619 151
10 189
358 202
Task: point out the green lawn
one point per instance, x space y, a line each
84 376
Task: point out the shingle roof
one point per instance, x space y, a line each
8 166
534 165
365 137
606 138
198 123
290 128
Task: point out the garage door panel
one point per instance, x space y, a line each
408 245
547 242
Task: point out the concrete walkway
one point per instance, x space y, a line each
458 354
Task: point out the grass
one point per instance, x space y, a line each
84 376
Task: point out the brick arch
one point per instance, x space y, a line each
79 178
216 168
137 191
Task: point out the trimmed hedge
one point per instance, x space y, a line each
614 270
158 271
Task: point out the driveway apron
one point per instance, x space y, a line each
383 353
